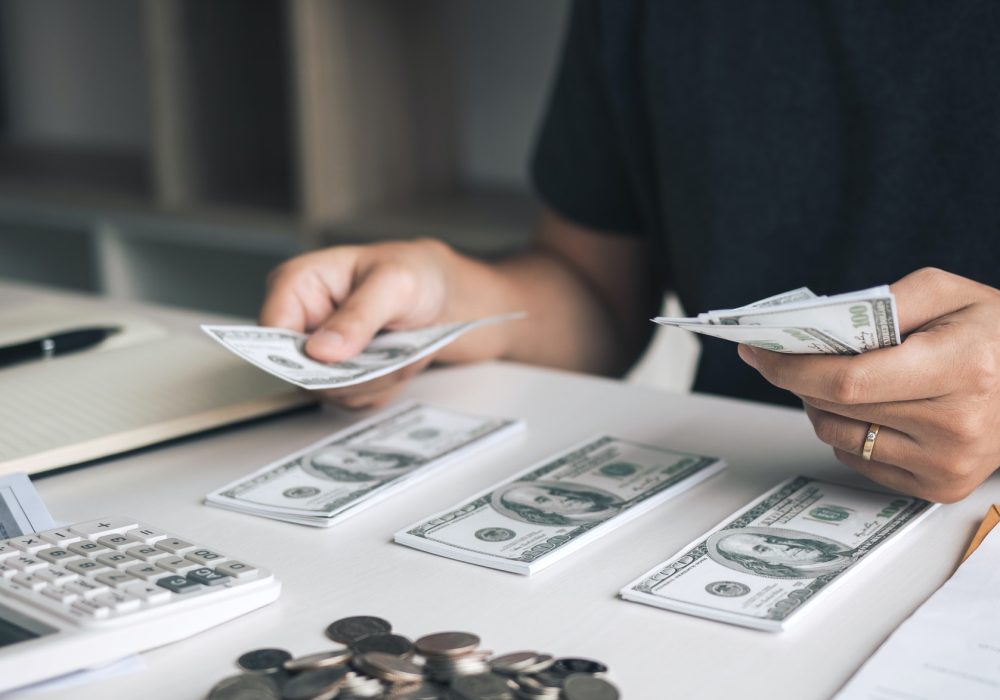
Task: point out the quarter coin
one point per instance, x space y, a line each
350 629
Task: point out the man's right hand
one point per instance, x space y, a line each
587 295
343 296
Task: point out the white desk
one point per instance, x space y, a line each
570 609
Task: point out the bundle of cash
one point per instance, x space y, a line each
801 322
761 566
355 468
281 352
553 508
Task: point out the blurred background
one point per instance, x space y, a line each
174 151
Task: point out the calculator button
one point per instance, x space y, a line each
85 587
26 563
237 569
106 526
146 571
28 543
30 581
7 571
118 560
175 546
178 584
177 565
85 566
114 578
205 556
7 550
148 534
117 601
146 552
149 592
207 576
60 594
87 548
57 555
57 575
119 541
91 610
59 538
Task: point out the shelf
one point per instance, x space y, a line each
76 172
485 223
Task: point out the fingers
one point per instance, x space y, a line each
377 392
379 300
888 475
929 293
305 290
917 369
848 435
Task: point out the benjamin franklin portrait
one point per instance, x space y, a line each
554 503
777 553
347 463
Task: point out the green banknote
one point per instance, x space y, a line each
764 565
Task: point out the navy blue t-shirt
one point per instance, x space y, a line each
762 146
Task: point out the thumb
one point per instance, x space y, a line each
375 303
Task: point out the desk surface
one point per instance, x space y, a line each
569 609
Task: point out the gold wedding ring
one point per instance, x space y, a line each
866 451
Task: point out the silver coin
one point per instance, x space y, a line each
583 686
447 644
263 660
323 659
394 644
484 686
315 685
247 686
418 691
514 663
570 665
543 663
389 667
350 629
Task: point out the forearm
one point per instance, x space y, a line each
568 324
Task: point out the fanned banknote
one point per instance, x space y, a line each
765 564
355 468
801 322
281 352
552 509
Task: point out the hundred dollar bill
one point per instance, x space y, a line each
553 508
800 322
22 511
280 352
760 567
355 468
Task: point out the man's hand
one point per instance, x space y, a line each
579 287
343 296
936 396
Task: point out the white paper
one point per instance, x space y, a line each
949 649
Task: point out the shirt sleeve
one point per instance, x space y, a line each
578 168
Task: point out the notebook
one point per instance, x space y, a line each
144 385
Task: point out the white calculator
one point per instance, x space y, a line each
91 593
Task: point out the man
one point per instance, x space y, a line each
727 151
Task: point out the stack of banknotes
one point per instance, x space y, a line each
554 508
355 468
763 565
801 322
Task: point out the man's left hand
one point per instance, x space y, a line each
936 396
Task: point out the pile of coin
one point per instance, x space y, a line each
375 663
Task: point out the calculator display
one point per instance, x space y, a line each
15 627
